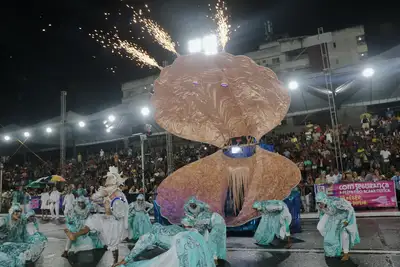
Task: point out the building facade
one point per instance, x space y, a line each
345 47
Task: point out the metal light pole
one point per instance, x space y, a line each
1 185
62 131
143 138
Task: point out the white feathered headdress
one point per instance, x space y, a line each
113 177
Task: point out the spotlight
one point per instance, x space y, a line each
82 124
111 118
7 138
27 134
145 111
236 149
49 130
293 85
368 72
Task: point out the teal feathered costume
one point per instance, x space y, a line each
17 246
75 221
337 224
275 221
209 224
188 249
139 219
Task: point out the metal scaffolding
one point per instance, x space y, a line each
62 131
331 98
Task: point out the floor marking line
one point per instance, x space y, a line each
302 250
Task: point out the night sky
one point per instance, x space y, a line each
46 47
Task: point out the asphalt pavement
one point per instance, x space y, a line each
379 247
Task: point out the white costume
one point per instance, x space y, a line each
44 198
112 229
55 204
68 203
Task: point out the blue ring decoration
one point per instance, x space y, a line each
117 198
248 151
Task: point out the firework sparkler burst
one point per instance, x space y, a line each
222 19
112 41
155 30
139 54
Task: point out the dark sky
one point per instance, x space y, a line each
46 48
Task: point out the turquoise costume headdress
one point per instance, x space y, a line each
200 206
322 198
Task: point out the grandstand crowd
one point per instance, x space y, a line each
370 152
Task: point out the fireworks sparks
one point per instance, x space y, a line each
139 54
155 30
221 18
112 41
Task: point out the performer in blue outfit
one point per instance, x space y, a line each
17 246
139 219
337 225
209 224
75 221
275 221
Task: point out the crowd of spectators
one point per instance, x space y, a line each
370 152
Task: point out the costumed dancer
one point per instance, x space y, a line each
75 221
113 225
209 224
139 219
275 221
68 202
18 196
17 246
160 236
81 191
188 249
27 201
337 225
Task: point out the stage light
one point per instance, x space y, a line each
105 122
210 44
108 130
111 118
7 138
236 149
49 130
27 134
82 124
194 46
145 111
368 72
293 85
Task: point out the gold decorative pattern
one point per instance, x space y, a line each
271 176
212 99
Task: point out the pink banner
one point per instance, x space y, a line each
380 194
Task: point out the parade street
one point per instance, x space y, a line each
380 246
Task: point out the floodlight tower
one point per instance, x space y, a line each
331 98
